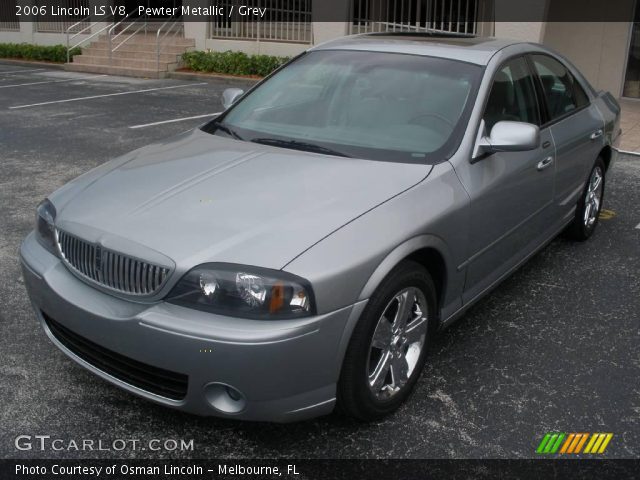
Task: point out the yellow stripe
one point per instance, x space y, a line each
584 439
594 437
567 442
595 447
575 442
605 443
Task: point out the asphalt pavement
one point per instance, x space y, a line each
554 348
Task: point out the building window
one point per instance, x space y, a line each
457 16
8 18
284 21
632 78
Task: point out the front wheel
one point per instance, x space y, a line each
589 205
388 346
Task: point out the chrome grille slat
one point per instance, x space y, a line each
113 270
144 279
156 272
126 272
121 272
139 268
110 267
118 270
90 261
72 252
85 258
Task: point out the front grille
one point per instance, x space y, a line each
110 269
146 377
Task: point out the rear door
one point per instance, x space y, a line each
576 126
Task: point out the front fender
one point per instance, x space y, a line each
347 266
403 251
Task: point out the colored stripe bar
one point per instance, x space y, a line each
599 441
550 443
592 441
567 443
556 446
582 442
574 444
543 443
604 445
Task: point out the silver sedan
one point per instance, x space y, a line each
299 251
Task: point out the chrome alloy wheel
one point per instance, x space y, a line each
397 343
593 197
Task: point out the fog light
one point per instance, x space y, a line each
225 398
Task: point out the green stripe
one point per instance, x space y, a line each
550 443
543 443
555 448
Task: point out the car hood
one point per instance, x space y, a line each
203 198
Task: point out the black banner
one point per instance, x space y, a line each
420 13
319 469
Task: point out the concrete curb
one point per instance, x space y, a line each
629 152
225 79
31 63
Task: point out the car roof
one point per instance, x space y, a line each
466 48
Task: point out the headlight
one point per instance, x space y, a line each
247 292
45 229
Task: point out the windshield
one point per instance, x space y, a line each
378 106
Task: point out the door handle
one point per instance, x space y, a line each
596 134
545 163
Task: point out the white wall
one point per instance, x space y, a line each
28 35
598 49
523 31
252 47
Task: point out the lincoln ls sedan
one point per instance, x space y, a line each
296 254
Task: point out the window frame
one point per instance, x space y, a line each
536 94
543 101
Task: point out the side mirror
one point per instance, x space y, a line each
507 136
231 96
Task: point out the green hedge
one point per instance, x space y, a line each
232 63
26 51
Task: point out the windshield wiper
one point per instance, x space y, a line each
228 131
297 145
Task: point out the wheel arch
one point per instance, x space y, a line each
429 251
606 154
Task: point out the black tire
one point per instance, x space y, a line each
579 230
354 396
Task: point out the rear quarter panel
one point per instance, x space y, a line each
611 112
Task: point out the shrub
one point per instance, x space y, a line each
232 63
26 51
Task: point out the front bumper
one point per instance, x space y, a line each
285 370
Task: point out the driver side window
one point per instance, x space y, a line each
512 96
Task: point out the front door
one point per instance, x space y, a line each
511 193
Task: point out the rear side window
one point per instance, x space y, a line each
512 95
563 93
